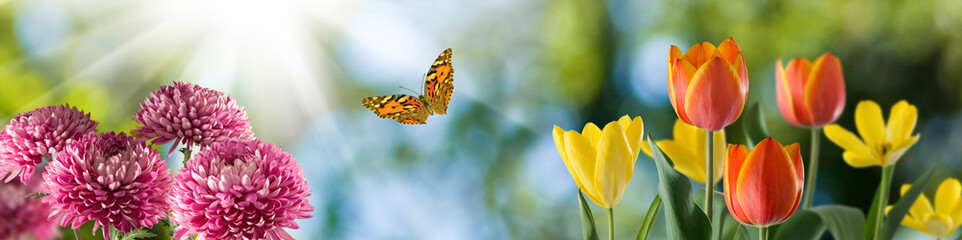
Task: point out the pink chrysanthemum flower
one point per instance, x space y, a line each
191 114
240 189
30 136
108 178
21 217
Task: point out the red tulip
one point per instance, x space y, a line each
708 86
810 94
763 186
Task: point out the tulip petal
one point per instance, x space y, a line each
795 154
869 121
686 162
921 207
901 122
582 156
825 90
797 73
716 98
674 53
730 51
947 196
894 154
592 132
689 135
615 165
680 75
634 133
783 93
767 184
908 221
857 154
699 54
736 158
558 134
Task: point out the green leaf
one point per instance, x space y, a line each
138 233
587 220
872 218
35 195
894 218
684 219
649 218
843 222
802 225
722 221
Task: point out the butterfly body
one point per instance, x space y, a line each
408 109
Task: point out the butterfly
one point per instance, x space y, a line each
408 109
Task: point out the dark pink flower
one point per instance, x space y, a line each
42 132
21 217
240 189
108 178
191 114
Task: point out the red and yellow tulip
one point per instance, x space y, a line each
763 186
810 94
708 85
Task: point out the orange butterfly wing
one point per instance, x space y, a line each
439 83
406 109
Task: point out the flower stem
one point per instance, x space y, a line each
611 224
709 173
883 197
186 153
763 233
812 168
76 233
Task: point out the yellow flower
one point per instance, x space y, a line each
601 161
942 220
687 151
881 144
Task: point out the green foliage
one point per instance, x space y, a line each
841 221
35 195
684 219
138 233
894 218
587 219
649 221
724 226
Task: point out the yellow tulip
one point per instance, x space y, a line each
881 144
942 220
687 151
601 160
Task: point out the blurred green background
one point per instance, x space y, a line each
488 169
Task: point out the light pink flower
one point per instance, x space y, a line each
108 178
42 132
240 189
191 114
21 217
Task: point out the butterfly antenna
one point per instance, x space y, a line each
415 93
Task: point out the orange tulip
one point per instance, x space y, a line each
810 94
763 186
708 85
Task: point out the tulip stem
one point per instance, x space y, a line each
763 233
709 173
812 168
883 197
611 224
